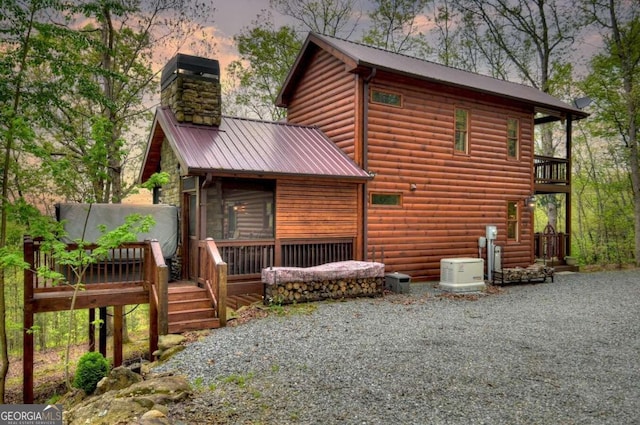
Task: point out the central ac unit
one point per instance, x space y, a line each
462 274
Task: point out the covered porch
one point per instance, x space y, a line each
552 176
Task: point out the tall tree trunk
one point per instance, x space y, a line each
624 49
8 150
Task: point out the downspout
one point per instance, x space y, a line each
365 162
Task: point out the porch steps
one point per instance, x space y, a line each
190 309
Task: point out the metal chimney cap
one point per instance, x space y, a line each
204 68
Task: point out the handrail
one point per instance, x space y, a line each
158 278
215 278
550 170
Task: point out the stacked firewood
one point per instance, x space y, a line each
528 274
289 292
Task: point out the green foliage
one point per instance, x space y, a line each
611 175
266 55
156 180
92 367
394 27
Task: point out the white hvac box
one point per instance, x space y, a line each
462 274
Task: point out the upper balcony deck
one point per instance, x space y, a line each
551 175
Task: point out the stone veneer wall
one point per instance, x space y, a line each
194 99
169 163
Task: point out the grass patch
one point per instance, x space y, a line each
238 379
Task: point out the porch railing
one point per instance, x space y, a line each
212 275
247 257
250 257
550 170
306 253
551 247
157 281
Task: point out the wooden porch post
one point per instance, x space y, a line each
567 225
27 335
92 329
222 294
103 331
163 300
153 325
277 260
117 335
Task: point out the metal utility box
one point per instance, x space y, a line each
397 282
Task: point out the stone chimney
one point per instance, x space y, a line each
190 86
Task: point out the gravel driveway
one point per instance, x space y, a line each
559 353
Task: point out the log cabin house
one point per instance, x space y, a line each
382 155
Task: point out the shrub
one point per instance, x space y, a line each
92 367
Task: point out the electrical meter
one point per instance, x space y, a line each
492 232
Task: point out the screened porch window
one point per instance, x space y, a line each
240 210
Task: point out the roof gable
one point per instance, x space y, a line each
245 146
361 58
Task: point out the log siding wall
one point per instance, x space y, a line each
456 195
315 210
326 98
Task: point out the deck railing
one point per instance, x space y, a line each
122 265
133 273
130 264
309 253
551 247
212 275
250 257
550 170
247 257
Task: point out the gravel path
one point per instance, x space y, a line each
561 353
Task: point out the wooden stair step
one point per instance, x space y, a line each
182 305
194 314
186 293
193 325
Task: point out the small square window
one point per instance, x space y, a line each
386 199
386 98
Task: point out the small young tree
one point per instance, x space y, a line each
80 257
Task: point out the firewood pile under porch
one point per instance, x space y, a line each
344 279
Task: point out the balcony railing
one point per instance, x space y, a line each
549 170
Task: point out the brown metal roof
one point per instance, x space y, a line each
359 56
245 146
